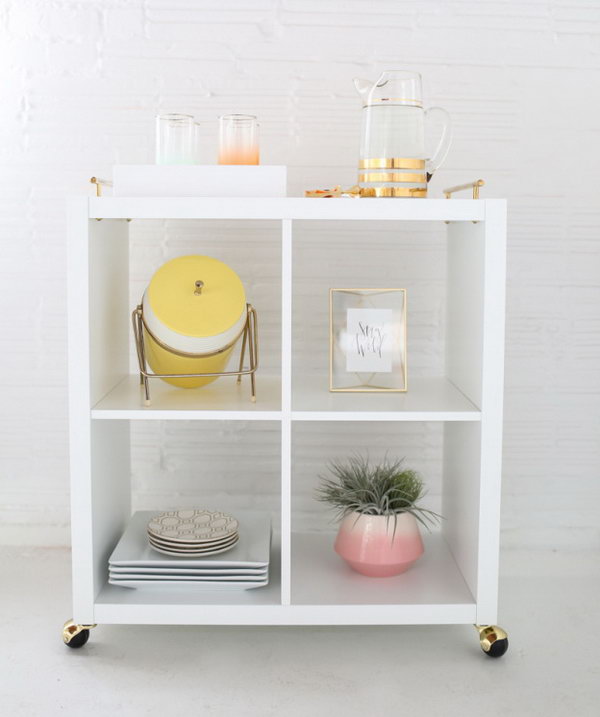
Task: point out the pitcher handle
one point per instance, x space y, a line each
441 150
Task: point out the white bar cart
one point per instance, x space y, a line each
458 582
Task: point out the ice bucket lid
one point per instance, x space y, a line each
195 304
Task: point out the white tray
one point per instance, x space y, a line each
218 180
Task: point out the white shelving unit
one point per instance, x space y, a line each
455 581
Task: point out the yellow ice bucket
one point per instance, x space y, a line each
193 313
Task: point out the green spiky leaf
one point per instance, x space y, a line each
387 488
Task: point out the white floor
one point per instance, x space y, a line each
549 607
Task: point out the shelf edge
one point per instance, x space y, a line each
182 415
414 416
276 614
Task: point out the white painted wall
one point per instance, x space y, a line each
79 85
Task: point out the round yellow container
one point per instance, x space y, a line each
194 311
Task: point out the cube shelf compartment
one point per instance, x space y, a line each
456 580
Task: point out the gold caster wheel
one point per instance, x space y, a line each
75 635
493 640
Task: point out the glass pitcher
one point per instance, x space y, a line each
394 159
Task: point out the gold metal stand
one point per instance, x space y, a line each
493 640
249 340
75 635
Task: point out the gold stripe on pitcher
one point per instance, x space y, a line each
403 100
392 192
392 177
391 163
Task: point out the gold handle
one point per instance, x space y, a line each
475 185
199 286
99 183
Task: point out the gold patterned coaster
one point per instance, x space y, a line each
192 526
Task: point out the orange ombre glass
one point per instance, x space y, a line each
238 139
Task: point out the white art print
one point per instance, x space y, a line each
369 344
367 340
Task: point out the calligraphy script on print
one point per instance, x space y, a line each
369 340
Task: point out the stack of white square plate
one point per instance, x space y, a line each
136 564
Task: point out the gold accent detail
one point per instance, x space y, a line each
337 191
392 177
393 192
391 163
199 286
250 339
489 634
70 629
99 184
373 389
460 187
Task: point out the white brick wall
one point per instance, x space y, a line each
79 85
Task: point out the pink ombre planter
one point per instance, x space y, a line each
372 546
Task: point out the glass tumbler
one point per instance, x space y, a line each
238 139
175 139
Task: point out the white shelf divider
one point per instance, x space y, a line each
428 399
116 604
340 209
435 580
224 400
286 404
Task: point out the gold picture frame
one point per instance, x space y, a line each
368 354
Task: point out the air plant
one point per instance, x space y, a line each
385 488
